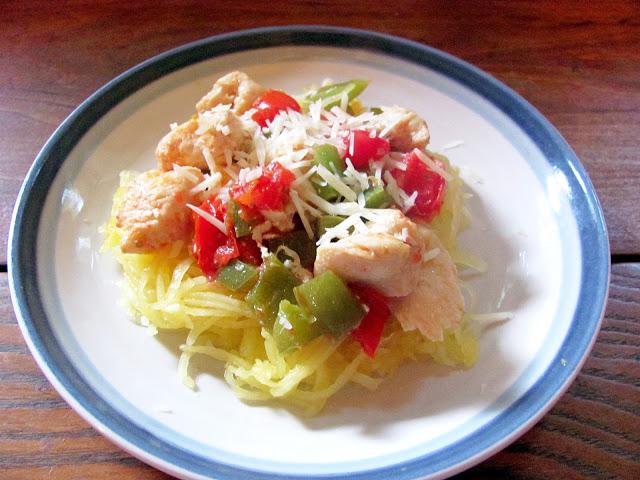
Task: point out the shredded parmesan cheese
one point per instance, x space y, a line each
336 183
209 218
208 184
430 255
432 165
185 172
295 198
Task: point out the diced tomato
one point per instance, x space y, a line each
365 148
270 104
369 332
249 251
418 177
270 191
212 248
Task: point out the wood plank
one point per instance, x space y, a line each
593 432
579 66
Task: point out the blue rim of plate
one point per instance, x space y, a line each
468 451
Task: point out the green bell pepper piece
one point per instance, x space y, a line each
328 156
376 197
276 283
375 110
327 221
238 275
240 226
299 242
331 95
331 303
323 189
293 327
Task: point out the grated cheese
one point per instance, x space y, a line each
232 174
304 177
432 165
209 218
246 175
344 101
208 158
430 255
491 317
295 198
336 183
185 172
452 145
354 177
208 184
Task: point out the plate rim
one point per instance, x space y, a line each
69 383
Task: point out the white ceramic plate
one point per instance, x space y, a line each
536 221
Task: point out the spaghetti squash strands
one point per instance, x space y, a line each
167 290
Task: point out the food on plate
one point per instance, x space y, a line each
306 243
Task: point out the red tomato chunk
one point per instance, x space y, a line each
270 191
365 148
272 103
418 177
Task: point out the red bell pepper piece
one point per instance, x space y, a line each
369 332
249 251
365 148
212 248
418 177
270 104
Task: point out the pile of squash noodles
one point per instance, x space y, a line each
166 290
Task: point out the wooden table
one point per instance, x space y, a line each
578 62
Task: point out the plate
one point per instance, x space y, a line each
536 221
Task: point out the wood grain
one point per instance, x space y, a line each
593 431
577 62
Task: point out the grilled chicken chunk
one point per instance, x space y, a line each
387 257
235 89
217 131
390 257
435 304
154 213
409 130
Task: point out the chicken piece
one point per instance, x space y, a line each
217 130
236 89
388 257
409 130
153 213
436 303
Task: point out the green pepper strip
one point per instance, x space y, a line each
238 275
376 197
327 221
299 242
331 95
275 284
331 303
293 327
328 156
240 226
324 190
